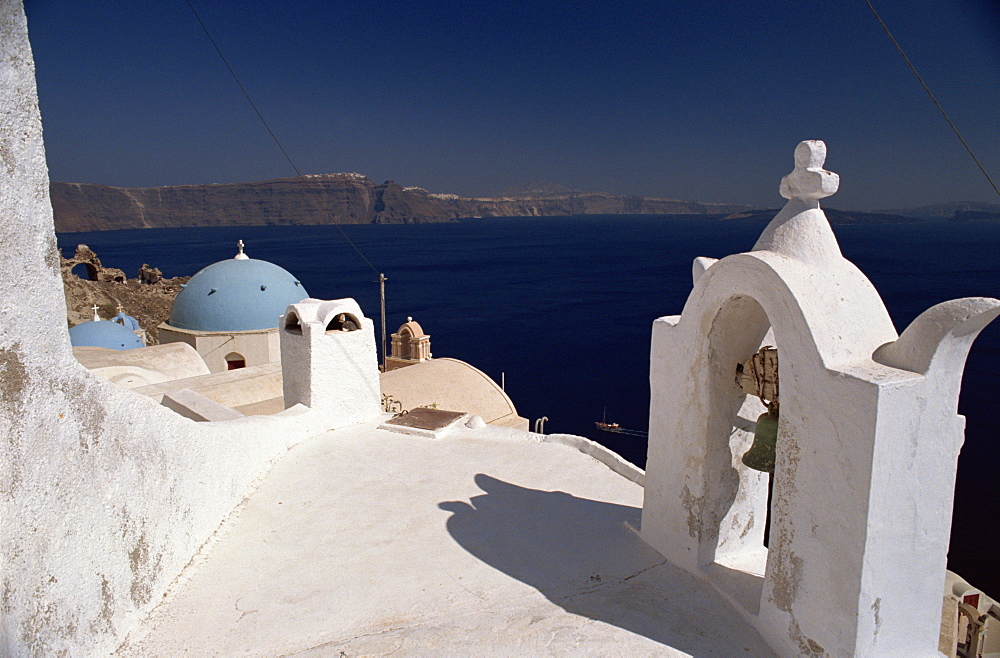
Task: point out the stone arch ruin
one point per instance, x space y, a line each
85 256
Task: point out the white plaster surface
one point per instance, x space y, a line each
257 347
197 407
867 446
609 458
232 388
144 365
454 385
334 372
482 543
104 494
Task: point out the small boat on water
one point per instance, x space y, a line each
615 428
605 426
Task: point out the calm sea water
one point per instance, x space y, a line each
562 307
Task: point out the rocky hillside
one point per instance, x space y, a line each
148 297
350 198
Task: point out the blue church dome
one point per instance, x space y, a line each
239 294
101 333
126 321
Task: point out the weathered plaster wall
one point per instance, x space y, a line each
142 366
454 385
104 495
333 371
256 347
867 443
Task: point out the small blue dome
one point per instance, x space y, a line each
236 295
102 333
126 321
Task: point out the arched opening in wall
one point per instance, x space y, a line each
405 338
736 503
292 324
85 271
343 322
235 361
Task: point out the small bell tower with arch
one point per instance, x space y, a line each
329 362
410 345
866 445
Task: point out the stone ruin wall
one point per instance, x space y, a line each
148 297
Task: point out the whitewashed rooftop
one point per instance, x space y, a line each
364 541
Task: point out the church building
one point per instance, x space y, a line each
228 312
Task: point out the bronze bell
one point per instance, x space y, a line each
760 456
759 376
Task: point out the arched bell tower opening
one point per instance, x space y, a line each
734 521
293 324
343 322
235 361
403 350
862 498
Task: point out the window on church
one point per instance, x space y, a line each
235 360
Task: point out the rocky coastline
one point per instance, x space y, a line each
326 199
355 199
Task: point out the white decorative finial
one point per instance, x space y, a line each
240 255
809 180
97 318
801 230
409 319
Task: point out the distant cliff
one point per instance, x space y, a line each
350 198
955 212
832 214
958 211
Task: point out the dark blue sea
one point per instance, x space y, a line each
561 307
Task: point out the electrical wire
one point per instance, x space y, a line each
274 137
927 89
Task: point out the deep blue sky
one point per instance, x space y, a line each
690 99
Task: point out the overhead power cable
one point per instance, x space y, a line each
274 137
927 89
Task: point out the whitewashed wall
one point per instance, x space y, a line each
334 372
104 495
256 347
867 445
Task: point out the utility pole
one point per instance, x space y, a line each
381 294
